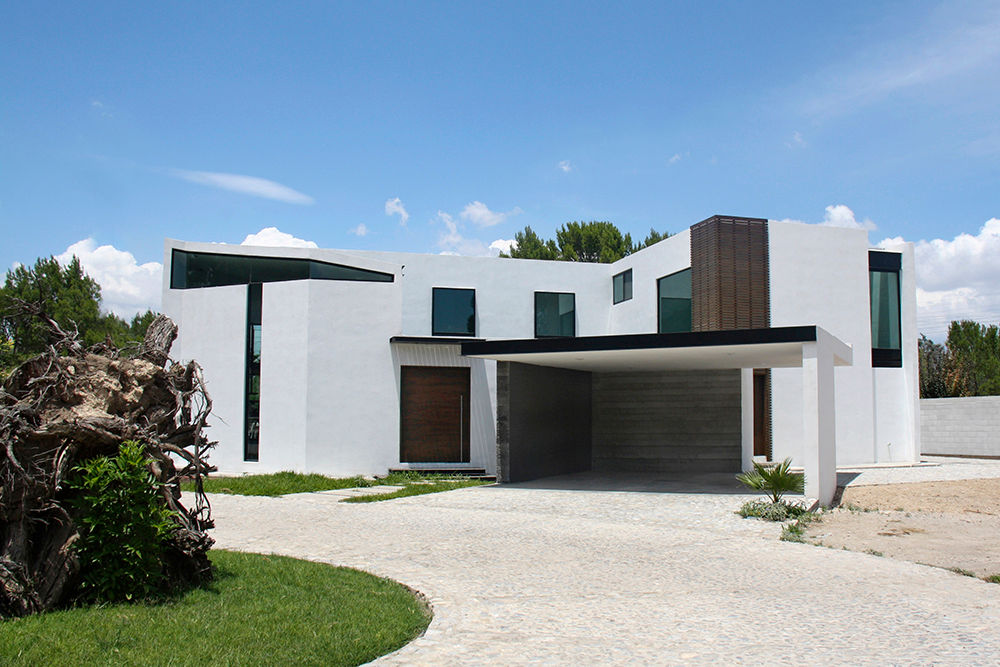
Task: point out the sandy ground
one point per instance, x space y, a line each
948 524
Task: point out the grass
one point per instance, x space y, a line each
416 489
260 610
796 531
992 579
283 483
964 573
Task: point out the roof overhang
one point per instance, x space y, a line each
779 347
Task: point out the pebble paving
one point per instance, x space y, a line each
524 575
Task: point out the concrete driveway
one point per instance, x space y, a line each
570 572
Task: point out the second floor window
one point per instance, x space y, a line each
555 314
622 286
674 302
453 312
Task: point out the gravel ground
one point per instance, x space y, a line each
575 576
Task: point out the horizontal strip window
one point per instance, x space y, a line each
453 312
190 270
555 314
622 286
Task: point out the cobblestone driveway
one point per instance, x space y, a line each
581 577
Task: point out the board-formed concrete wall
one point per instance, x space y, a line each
960 426
677 421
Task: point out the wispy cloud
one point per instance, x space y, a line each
479 214
565 166
954 41
275 238
101 108
453 242
797 141
675 158
360 230
395 207
247 185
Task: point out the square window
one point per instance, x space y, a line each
555 314
453 312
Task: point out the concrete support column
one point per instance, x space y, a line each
746 421
819 438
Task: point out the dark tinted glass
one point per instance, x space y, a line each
204 269
885 309
622 284
675 302
453 312
555 314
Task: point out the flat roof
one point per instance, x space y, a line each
777 347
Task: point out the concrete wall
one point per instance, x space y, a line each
544 421
681 421
961 426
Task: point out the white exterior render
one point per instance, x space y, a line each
332 351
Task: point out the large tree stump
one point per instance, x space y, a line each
71 404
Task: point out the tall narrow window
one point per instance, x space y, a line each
622 286
555 314
674 302
453 312
883 274
251 420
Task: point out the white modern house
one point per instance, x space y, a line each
736 338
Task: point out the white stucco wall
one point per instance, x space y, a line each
819 275
639 314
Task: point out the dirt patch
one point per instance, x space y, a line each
951 524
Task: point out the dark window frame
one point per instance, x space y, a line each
623 275
251 445
312 268
434 308
887 262
547 293
659 314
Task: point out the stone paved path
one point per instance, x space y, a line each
578 577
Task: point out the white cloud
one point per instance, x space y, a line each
452 242
127 287
797 140
565 166
395 207
273 237
360 230
247 185
675 158
957 279
479 214
839 215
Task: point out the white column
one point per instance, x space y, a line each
819 439
746 426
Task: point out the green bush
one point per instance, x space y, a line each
775 479
769 511
123 524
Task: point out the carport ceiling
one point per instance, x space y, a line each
779 347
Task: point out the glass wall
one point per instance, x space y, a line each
674 297
622 286
555 314
453 312
205 269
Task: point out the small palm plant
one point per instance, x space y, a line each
776 480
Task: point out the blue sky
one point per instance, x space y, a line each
447 127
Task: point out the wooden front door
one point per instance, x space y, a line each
434 415
761 414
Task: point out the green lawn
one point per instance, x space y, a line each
260 610
282 483
416 489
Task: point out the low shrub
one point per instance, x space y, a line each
773 479
992 579
123 524
771 511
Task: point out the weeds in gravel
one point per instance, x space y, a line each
796 531
771 511
964 573
874 552
417 489
992 579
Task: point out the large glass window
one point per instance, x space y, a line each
555 314
453 312
622 286
251 436
208 269
674 297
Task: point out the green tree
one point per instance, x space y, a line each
594 241
933 361
974 366
67 295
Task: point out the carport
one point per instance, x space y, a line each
677 402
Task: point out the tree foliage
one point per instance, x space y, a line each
968 364
67 295
594 241
933 360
